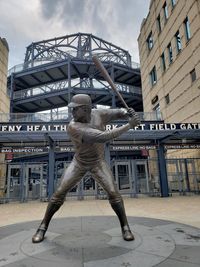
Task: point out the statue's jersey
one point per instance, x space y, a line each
89 138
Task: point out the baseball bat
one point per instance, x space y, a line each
107 77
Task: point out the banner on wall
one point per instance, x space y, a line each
46 127
143 148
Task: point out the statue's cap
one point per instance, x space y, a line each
80 100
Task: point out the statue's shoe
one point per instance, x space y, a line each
39 235
127 234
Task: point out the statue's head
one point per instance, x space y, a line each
80 100
81 105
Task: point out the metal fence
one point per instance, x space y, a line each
29 180
23 181
183 175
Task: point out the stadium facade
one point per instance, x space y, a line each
33 134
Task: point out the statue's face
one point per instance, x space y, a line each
82 114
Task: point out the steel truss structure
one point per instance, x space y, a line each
81 45
56 69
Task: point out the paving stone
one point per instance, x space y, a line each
97 241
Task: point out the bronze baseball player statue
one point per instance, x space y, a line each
87 132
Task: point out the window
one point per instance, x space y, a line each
170 53
187 29
178 41
153 76
163 61
154 100
150 41
173 3
159 24
193 75
167 99
158 112
165 11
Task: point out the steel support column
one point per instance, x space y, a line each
22 183
79 52
32 55
51 167
69 76
162 171
80 190
113 93
107 153
187 176
69 83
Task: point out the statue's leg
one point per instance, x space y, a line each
71 176
119 209
103 175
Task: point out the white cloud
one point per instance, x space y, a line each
116 21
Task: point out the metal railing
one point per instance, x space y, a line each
63 85
150 116
72 54
33 117
61 115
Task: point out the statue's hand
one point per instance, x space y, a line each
134 120
130 112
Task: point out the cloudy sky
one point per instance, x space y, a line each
25 21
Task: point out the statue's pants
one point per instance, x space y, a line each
74 173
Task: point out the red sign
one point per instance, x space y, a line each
9 156
144 153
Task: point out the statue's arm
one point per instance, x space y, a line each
109 115
91 135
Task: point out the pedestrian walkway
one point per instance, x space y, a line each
87 234
181 209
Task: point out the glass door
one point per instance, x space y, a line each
193 174
15 182
176 176
122 174
141 177
34 183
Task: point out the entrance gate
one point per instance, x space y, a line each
132 177
193 174
183 175
142 176
26 181
86 187
123 176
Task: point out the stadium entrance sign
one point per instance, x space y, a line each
45 127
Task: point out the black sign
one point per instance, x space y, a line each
131 147
40 127
23 149
34 149
10 127
161 126
183 146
